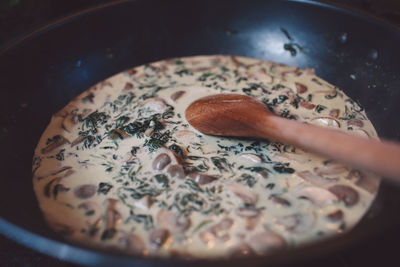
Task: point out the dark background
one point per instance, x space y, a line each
21 16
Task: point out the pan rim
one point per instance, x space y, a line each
11 230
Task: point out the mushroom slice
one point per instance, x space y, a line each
316 179
334 113
158 237
113 216
161 161
251 157
330 170
154 105
307 105
77 140
266 241
128 86
298 223
318 196
345 193
202 179
69 122
369 182
144 203
240 251
133 244
173 223
220 228
176 171
355 122
248 212
335 216
118 134
326 121
280 201
53 143
85 191
177 95
300 88
242 192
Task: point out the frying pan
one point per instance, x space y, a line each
44 70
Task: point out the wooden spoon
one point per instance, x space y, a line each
243 116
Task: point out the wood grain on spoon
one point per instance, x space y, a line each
243 116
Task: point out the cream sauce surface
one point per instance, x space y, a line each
119 167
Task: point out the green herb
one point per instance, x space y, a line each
193 185
248 179
221 164
162 179
177 150
59 188
201 225
60 155
146 220
89 213
108 234
157 140
319 108
104 188
134 150
283 168
94 120
270 186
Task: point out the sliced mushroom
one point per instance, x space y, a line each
175 96
355 122
77 140
240 251
298 223
176 171
133 244
85 191
330 170
335 216
242 192
202 179
251 157
280 201
300 88
53 143
252 222
49 186
118 134
154 105
345 193
316 179
266 241
221 227
158 237
369 182
326 121
318 196
247 212
161 161
69 122
307 105
173 223
334 113
128 86
113 216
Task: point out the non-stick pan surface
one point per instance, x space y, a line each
41 72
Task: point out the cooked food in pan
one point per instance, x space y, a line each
119 167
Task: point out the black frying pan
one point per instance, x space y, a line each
41 72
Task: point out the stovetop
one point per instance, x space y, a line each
19 16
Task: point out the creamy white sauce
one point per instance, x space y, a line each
284 189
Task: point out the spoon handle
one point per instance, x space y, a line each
382 158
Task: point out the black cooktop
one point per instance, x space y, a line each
20 16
